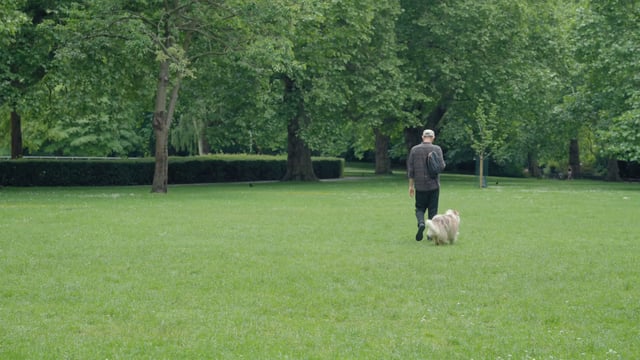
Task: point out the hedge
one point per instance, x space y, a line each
182 170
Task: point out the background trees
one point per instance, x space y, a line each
321 77
606 47
24 55
319 74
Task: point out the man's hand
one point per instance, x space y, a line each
412 187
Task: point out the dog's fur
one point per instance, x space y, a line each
443 229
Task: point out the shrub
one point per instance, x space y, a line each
182 170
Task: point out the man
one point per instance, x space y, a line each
425 188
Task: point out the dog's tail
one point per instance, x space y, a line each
430 228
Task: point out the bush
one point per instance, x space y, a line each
182 170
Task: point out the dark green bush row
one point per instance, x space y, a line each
206 169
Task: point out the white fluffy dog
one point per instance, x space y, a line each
443 229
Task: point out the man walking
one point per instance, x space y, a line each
422 186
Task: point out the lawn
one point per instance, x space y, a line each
543 269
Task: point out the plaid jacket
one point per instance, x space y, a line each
417 167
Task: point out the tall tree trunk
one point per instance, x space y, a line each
435 116
613 171
163 112
16 135
299 165
161 132
162 117
203 144
412 137
534 166
383 161
481 174
574 158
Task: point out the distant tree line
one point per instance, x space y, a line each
550 82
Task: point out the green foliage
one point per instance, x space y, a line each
11 19
234 114
88 101
485 131
25 51
83 74
623 136
341 58
607 40
379 87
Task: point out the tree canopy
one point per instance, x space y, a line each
348 78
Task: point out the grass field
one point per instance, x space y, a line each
542 270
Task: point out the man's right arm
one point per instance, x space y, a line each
410 174
412 189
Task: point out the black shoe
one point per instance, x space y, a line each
420 231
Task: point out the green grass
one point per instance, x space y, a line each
329 270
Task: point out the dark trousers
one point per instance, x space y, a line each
426 200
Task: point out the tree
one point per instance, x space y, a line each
11 19
539 88
321 41
173 29
513 54
379 88
89 100
318 77
25 53
175 34
222 120
460 52
485 133
607 38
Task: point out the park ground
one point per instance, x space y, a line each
543 269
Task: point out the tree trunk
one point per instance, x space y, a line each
534 166
203 144
299 165
574 158
613 171
383 161
435 116
413 136
161 132
481 170
16 135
